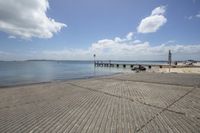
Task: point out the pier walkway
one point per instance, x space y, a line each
132 65
123 103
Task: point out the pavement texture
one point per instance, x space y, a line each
122 103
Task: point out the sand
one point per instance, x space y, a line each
143 102
181 70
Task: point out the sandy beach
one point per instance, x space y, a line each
182 68
142 102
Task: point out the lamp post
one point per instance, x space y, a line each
169 59
94 64
94 59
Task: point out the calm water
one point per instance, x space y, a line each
26 72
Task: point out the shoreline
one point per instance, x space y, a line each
161 71
181 69
56 81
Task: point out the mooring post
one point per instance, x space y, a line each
94 60
131 66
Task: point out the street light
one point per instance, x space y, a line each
170 59
94 59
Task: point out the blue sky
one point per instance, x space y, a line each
82 28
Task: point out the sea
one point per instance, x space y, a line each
38 71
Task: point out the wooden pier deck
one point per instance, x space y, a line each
124 65
132 65
124 103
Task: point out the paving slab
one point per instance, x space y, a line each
162 78
173 123
88 111
114 104
160 95
189 105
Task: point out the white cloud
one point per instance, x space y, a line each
108 49
198 15
170 42
113 49
189 18
129 36
66 54
153 22
136 41
193 16
158 10
27 19
11 37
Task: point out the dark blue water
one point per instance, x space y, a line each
27 72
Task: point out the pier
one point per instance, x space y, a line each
132 65
126 65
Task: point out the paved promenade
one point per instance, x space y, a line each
123 103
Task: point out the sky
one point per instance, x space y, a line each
111 29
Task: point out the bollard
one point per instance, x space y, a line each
149 67
131 66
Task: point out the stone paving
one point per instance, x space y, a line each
123 103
